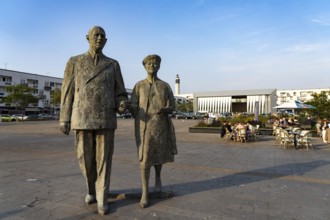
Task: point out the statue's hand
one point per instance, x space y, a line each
65 127
122 107
165 110
162 110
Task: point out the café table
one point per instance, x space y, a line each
295 134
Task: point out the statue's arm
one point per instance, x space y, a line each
133 104
120 90
67 98
170 102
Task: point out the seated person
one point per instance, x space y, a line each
226 126
238 127
291 122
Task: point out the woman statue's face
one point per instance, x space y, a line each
152 66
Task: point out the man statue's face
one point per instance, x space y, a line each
97 39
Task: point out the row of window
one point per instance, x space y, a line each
30 81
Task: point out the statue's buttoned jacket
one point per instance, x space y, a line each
91 94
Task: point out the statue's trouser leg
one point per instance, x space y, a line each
158 181
94 152
104 152
145 174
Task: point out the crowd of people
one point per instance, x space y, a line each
322 126
240 132
284 122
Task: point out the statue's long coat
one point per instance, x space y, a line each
91 94
154 131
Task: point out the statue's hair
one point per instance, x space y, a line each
150 57
95 27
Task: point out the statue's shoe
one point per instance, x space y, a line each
103 209
90 199
144 203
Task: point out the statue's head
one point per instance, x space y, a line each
96 38
152 63
151 57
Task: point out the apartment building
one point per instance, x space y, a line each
303 95
42 85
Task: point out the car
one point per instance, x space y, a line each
32 117
45 116
198 115
7 118
125 115
20 117
183 115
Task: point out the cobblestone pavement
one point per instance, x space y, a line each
210 178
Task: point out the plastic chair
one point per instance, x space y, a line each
252 135
278 133
304 139
285 139
242 135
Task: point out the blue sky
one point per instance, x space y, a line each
213 45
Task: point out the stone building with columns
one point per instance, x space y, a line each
250 101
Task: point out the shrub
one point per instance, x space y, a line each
262 120
205 124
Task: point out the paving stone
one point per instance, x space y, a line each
210 178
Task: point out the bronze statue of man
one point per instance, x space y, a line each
151 102
93 91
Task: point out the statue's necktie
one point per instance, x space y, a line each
96 59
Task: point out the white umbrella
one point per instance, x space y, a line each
294 104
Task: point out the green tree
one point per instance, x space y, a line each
322 104
55 96
182 107
20 96
190 106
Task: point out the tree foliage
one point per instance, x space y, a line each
184 107
322 103
20 96
55 96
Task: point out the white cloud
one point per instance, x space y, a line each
321 21
306 47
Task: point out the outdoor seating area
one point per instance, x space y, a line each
293 137
241 132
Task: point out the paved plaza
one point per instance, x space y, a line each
210 178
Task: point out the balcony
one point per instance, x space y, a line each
42 96
2 83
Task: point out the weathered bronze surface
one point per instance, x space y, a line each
93 91
151 102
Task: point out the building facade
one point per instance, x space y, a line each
251 101
303 95
42 85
